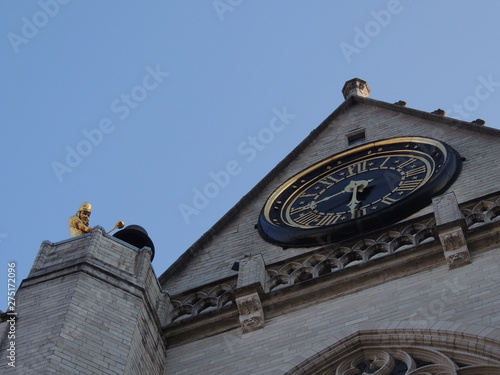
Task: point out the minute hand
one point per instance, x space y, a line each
334 195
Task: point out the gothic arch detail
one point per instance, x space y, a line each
399 352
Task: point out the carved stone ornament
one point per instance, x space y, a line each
455 248
458 259
251 312
249 306
453 241
406 361
252 324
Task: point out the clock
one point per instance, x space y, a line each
358 190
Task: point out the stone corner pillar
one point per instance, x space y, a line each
251 286
450 228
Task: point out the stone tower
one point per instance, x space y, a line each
90 305
342 289
410 294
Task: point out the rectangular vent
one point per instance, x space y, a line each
356 136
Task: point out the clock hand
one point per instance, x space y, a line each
349 189
334 195
354 187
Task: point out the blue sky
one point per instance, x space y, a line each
137 107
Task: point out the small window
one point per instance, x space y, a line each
356 136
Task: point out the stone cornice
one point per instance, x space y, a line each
334 285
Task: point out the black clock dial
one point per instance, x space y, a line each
358 190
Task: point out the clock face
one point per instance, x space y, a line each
358 190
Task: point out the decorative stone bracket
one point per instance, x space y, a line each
251 312
252 279
451 233
455 248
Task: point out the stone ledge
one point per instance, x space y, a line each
330 286
124 281
200 326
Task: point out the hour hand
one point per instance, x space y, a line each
355 187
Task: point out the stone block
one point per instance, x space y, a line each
455 248
251 312
446 208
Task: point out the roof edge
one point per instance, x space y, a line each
254 191
350 101
431 116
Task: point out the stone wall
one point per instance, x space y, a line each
438 300
90 305
480 176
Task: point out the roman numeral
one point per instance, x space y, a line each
414 172
360 212
307 218
329 219
406 163
329 180
388 200
359 167
385 161
409 185
296 210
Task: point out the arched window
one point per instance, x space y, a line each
399 352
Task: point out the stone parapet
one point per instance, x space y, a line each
91 304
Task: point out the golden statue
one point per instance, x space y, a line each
78 224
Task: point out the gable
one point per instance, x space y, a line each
358 120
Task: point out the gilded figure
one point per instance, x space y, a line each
78 223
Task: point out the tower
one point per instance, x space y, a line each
373 246
303 276
90 305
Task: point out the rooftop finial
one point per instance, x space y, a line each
357 87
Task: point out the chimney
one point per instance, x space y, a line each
357 87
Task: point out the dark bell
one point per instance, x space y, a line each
136 236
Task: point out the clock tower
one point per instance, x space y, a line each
373 247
